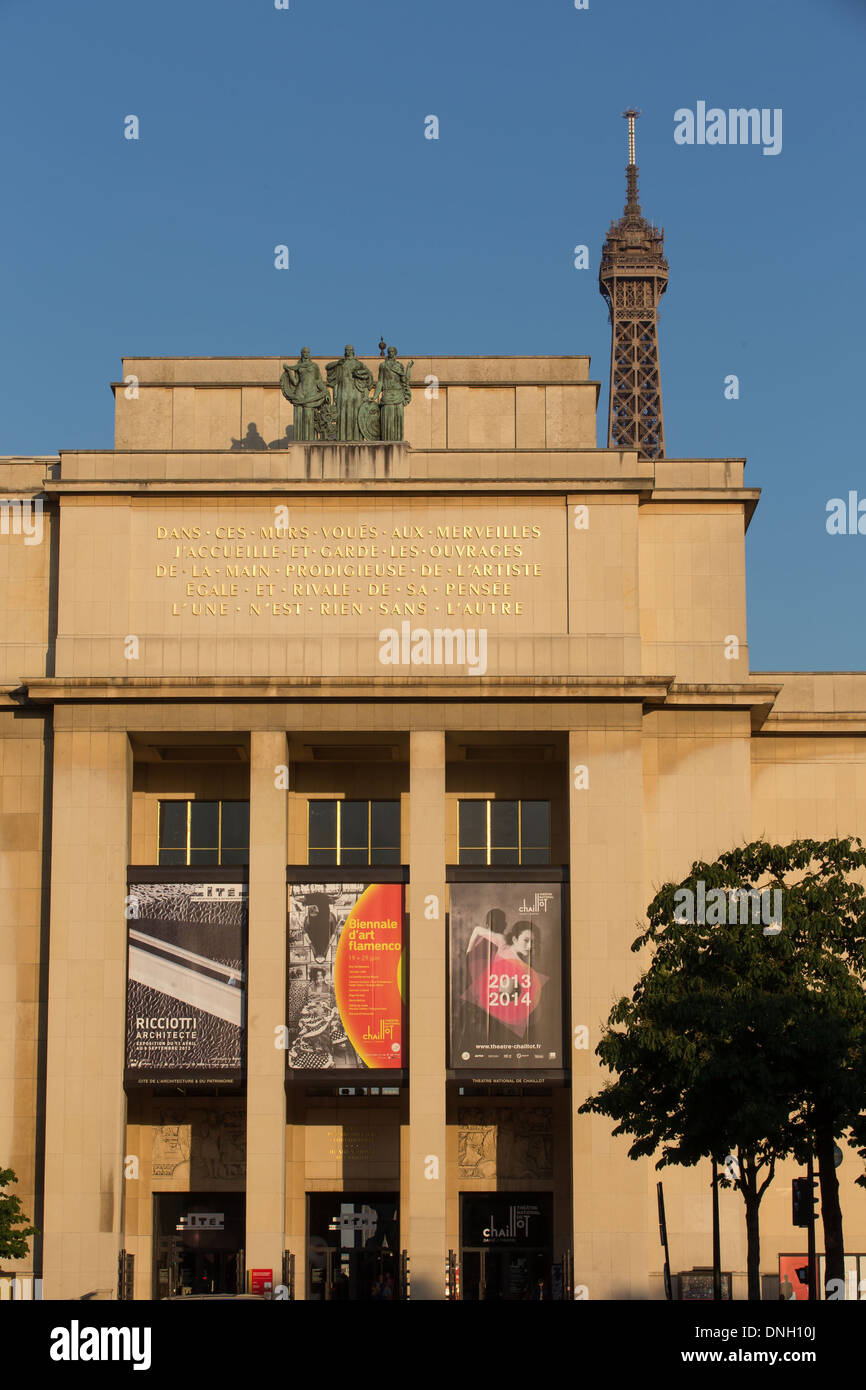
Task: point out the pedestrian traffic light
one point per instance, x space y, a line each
800 1202
803 1201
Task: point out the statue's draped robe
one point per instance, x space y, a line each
393 384
351 381
304 387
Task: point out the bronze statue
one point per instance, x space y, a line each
351 381
393 385
304 387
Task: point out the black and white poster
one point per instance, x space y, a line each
506 965
185 983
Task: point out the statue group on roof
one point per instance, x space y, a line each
351 413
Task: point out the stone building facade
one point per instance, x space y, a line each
218 620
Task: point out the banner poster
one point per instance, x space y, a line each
185 983
345 988
506 994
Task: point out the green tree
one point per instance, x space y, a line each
13 1241
748 1036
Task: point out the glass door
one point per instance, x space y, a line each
509 1274
198 1243
353 1247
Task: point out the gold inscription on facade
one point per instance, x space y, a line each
364 570
350 1142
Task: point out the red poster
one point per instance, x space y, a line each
367 976
261 1281
793 1278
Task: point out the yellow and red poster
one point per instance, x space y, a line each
345 991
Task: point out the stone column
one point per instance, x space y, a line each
609 1191
85 1099
266 1002
25 745
424 1233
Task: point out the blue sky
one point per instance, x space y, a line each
305 127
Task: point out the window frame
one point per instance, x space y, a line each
489 847
339 847
188 848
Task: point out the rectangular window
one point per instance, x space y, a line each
354 832
195 833
500 833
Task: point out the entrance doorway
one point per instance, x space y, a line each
198 1243
509 1275
506 1247
353 1247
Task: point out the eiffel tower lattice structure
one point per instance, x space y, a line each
632 278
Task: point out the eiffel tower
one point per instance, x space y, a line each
632 277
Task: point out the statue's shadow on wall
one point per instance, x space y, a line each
252 440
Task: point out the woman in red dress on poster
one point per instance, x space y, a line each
503 981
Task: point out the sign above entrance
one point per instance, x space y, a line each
357 1224
202 1221
507 1219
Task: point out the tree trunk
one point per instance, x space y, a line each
753 1243
831 1211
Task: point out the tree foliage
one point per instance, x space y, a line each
14 1230
742 1038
